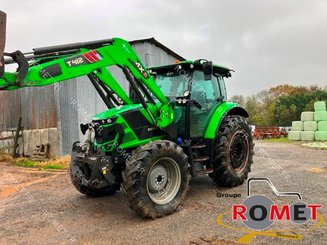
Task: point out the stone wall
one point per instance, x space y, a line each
30 139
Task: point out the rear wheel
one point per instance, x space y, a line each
156 178
233 152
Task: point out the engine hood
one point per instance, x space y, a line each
115 111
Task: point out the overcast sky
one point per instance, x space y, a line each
266 42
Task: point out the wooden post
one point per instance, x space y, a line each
19 126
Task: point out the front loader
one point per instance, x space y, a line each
178 123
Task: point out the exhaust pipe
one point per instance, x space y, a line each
3 21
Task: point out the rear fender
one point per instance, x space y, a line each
223 110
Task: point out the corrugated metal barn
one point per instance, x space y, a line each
52 114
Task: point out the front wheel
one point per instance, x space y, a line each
156 178
233 152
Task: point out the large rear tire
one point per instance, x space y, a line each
233 152
156 178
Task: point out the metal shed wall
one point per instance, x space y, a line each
10 109
36 106
151 55
65 95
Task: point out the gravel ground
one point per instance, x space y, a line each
38 207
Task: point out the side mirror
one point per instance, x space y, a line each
3 18
207 70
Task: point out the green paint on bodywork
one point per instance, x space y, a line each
130 139
115 111
216 118
166 116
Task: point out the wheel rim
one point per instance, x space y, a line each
163 180
239 151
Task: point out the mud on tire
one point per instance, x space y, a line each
233 152
156 178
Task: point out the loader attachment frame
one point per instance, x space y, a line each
54 64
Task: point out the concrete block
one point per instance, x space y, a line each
54 142
36 137
20 150
27 135
32 138
7 144
44 135
1 142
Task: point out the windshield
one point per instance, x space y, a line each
173 84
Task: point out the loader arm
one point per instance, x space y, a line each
54 64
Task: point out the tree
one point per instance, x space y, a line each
289 107
239 98
280 105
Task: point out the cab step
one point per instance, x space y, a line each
204 171
198 146
201 159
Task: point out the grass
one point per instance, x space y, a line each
277 140
5 157
55 163
53 166
25 163
58 163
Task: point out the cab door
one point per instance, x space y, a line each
204 93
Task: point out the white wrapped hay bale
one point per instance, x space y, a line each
307 116
321 135
310 126
294 135
307 136
320 106
297 126
320 116
322 126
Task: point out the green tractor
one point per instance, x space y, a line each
175 123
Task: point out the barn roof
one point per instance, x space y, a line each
153 41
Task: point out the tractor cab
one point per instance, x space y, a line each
195 89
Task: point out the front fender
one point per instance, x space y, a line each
222 110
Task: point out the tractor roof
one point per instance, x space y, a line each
222 70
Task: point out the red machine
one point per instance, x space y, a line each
268 132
